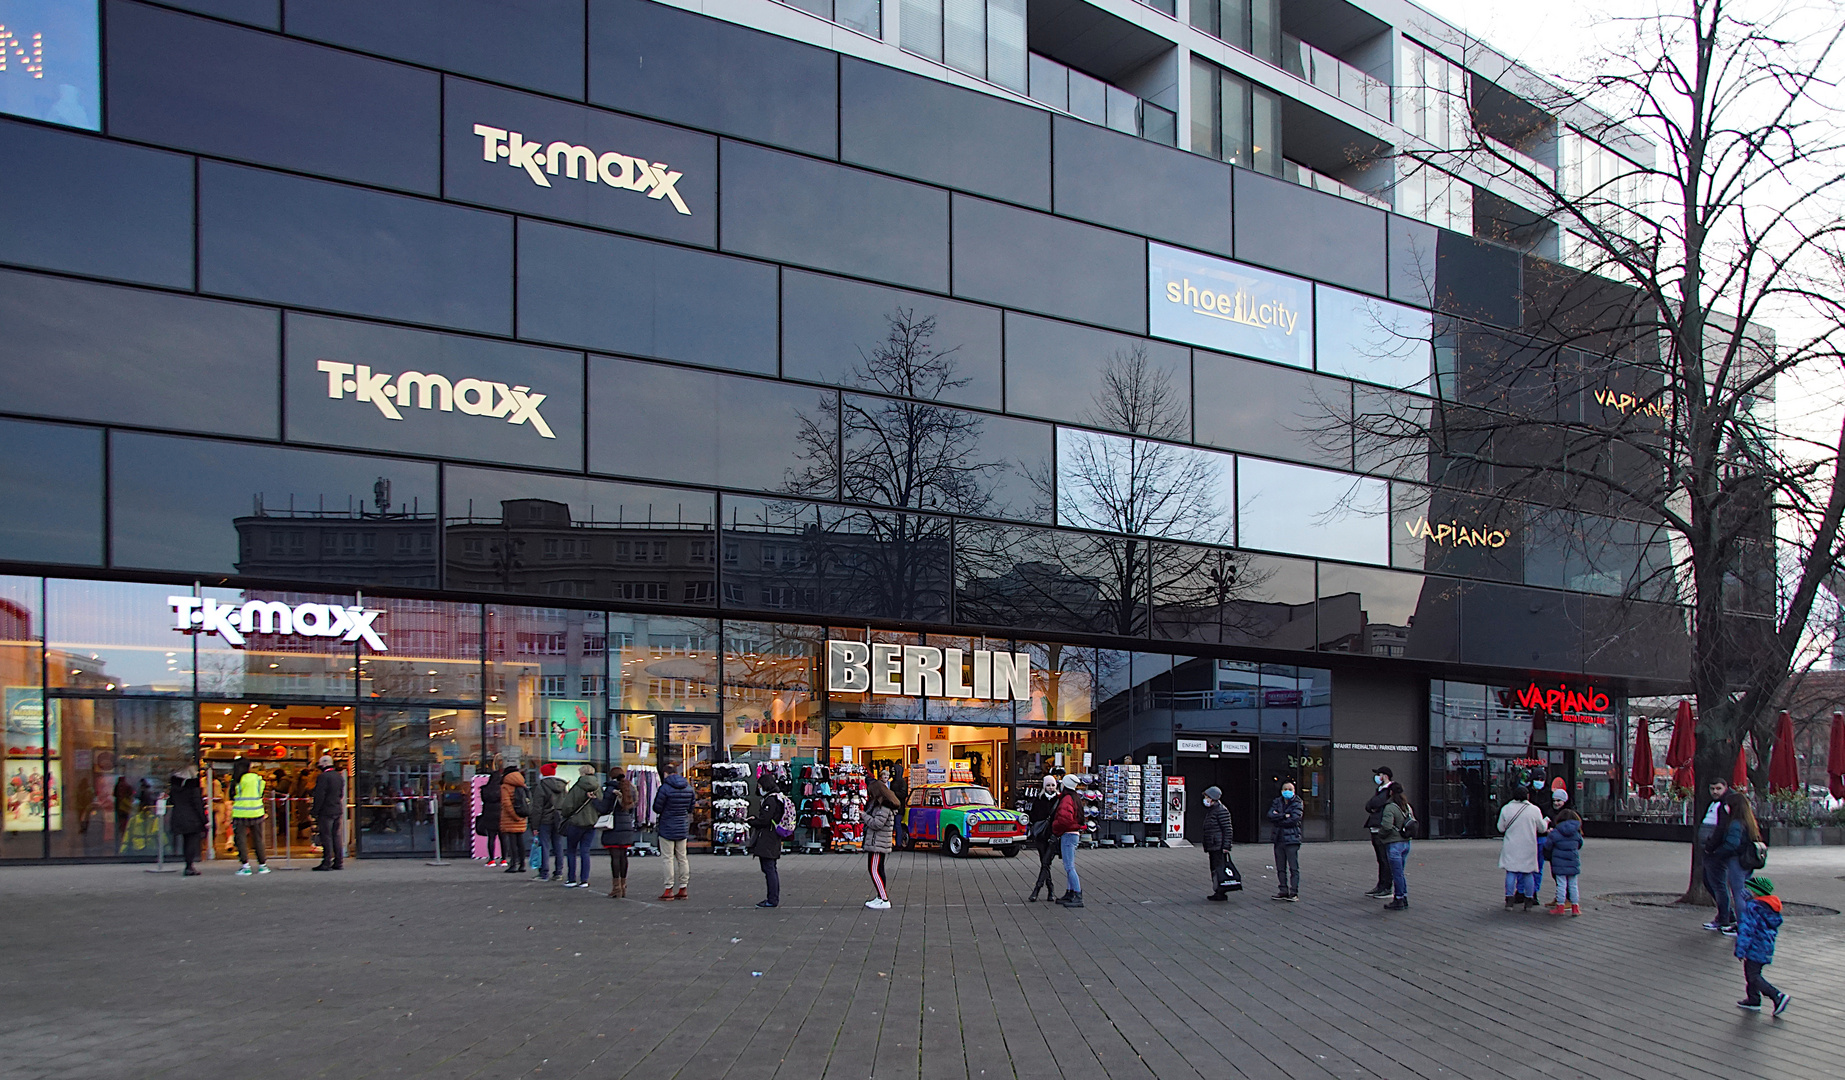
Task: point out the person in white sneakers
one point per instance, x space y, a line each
247 813
881 806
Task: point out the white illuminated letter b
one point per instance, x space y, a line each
846 672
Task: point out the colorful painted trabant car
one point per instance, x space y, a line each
958 816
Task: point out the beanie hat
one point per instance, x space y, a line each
1559 795
547 769
1213 793
1760 886
1069 783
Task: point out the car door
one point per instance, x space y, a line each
926 820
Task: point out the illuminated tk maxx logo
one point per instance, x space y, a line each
193 615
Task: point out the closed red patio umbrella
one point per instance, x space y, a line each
1835 757
1783 773
1641 774
1739 776
1683 749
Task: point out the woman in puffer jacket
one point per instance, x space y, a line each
881 809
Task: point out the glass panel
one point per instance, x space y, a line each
1362 337
79 221
291 240
21 627
943 710
1063 686
682 67
1233 121
548 685
411 765
748 433
578 287
131 356
890 708
1204 15
283 744
1117 484
433 406
1380 613
1088 97
1006 43
116 637
1229 306
191 504
965 36
1035 262
921 26
794 209
275 657
866 337
1206 130
1265 29
1232 598
1066 372
1456 533
434 652
911 455
663 664
98 796
554 536
1264 409
1123 111
1305 511
781 555
51 485
771 678
268 99
1042 579
865 16
55 73
1050 82
534 45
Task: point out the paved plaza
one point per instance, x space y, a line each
398 969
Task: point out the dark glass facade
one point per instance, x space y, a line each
619 389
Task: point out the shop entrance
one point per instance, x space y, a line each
907 755
1236 775
688 743
283 743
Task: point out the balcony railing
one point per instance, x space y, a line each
1335 76
1088 98
1306 177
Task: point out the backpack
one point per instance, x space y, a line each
1753 856
784 825
521 803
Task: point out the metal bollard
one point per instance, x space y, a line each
162 836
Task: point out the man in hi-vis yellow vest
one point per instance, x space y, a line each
247 816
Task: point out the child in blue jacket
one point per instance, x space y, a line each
1564 844
1757 923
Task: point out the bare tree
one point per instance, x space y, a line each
903 454
1641 384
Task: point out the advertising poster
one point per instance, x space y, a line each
25 722
1229 307
567 731
30 797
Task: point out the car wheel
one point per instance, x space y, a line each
954 843
901 838
1011 851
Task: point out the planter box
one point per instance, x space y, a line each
1782 836
1832 835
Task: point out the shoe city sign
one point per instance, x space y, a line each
476 397
1228 306
203 615
855 667
541 161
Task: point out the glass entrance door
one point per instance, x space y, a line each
283 744
688 744
411 781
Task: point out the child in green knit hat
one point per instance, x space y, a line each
1756 926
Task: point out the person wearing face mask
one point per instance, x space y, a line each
1374 818
1285 813
1218 834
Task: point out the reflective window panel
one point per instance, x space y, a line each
1381 613
784 555
1228 597
1050 580
1302 511
589 539
1229 306
51 486
771 684
1362 337
219 507
913 455
1113 483
547 686
1061 371
56 73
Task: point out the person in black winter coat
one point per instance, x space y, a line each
488 823
329 814
765 842
1286 813
618 801
1218 833
1042 804
1374 816
186 814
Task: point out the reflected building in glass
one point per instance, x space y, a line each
355 436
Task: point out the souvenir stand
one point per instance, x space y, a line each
730 808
